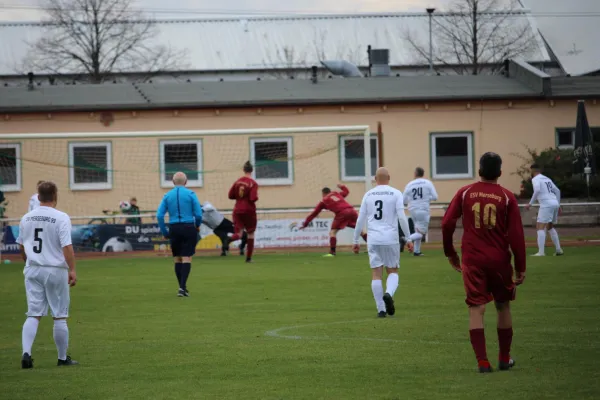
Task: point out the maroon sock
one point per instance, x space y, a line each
250 248
505 340
478 343
364 236
235 237
332 244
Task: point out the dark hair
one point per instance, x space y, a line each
47 192
133 199
39 183
419 172
535 166
490 166
326 190
248 167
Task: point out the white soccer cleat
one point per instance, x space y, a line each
559 253
538 255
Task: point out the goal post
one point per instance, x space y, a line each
97 172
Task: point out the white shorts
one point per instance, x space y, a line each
421 220
47 287
547 215
384 255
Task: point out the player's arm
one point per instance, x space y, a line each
405 196
452 215
556 192
160 216
196 209
536 192
64 235
434 195
360 222
516 238
402 219
233 192
314 214
20 241
253 193
343 190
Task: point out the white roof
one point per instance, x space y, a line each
273 42
572 30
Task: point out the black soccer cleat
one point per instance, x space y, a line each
506 366
181 293
223 254
389 304
418 254
186 293
381 314
485 369
248 260
67 362
26 361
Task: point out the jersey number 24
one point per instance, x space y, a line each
417 193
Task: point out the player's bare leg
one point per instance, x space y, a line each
505 335
541 239
477 336
377 289
61 338
391 286
30 328
332 242
555 239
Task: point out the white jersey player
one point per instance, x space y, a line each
34 202
547 194
45 242
382 208
418 196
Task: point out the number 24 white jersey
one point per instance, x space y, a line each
382 207
43 233
419 193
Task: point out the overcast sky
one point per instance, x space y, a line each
28 10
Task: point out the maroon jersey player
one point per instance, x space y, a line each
245 193
492 229
345 214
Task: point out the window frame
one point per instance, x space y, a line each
17 187
108 185
558 131
342 165
290 155
470 154
197 183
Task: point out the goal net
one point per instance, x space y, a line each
106 179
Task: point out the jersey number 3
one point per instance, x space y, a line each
37 247
489 215
379 210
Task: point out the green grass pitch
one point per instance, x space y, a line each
303 327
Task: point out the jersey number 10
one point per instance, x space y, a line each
489 215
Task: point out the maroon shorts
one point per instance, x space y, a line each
244 221
488 283
345 218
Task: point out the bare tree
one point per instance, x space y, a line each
285 62
99 37
476 36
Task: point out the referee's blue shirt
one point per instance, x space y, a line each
183 207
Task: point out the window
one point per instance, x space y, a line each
90 166
565 138
352 157
10 167
184 156
272 160
452 155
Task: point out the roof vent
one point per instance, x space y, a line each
342 68
380 62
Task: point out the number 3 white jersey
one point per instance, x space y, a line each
545 192
419 193
43 233
382 208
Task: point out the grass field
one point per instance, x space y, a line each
303 327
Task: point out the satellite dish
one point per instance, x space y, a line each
342 68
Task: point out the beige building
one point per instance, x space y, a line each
105 143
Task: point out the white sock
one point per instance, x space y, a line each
30 328
61 337
377 288
541 241
555 239
392 284
416 238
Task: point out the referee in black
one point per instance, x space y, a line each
185 217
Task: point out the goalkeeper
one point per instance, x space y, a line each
221 226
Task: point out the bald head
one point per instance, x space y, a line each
179 179
382 176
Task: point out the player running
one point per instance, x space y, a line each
382 208
418 195
45 242
245 193
548 196
221 227
492 228
345 214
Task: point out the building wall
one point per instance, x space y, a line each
407 128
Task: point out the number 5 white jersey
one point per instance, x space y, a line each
382 208
418 194
43 233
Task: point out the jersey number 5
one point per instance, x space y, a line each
489 215
379 210
37 248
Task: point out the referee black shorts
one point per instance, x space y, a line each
184 238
